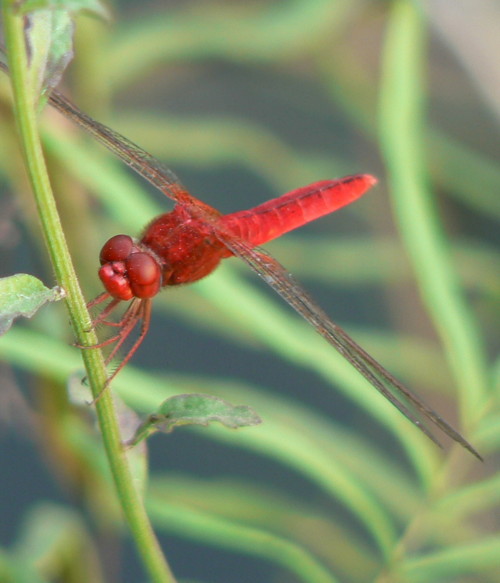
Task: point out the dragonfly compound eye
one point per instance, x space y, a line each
118 248
114 278
144 275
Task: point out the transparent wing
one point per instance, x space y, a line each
292 292
134 156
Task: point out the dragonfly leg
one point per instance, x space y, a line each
101 319
139 311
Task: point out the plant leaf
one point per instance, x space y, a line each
93 6
195 409
49 37
23 295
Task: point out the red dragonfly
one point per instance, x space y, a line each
188 243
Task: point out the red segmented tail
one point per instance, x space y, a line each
294 209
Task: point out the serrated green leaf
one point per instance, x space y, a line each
23 295
201 409
49 36
195 409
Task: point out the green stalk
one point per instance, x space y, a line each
402 129
24 104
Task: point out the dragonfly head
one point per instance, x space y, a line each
127 270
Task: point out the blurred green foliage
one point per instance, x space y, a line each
280 94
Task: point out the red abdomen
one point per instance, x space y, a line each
290 211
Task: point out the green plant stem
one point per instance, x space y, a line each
130 500
402 128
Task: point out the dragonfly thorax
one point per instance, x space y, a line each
187 248
128 270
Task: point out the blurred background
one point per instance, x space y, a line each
246 101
